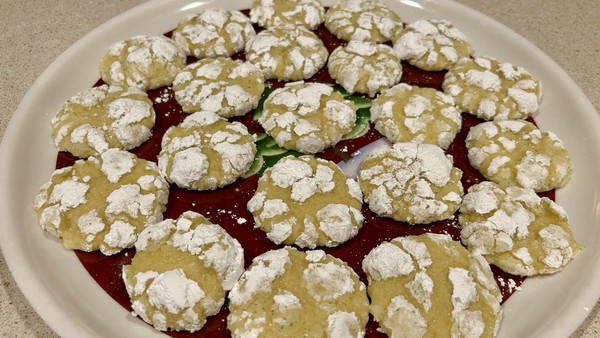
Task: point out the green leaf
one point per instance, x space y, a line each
361 102
273 151
362 124
260 136
259 109
256 166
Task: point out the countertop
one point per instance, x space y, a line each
34 33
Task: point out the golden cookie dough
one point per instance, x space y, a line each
103 117
492 90
307 117
431 286
206 152
290 293
432 45
144 61
268 13
307 201
362 20
221 85
287 53
516 230
102 203
518 153
405 113
410 182
214 32
364 67
181 271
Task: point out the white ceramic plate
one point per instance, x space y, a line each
71 302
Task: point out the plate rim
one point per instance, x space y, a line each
30 282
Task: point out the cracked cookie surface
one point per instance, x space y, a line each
410 182
180 272
291 293
516 230
308 202
103 202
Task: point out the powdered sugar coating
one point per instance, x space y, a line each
493 90
518 153
103 117
308 202
206 152
102 203
431 286
405 113
516 230
410 182
291 293
362 20
432 45
214 32
143 61
269 13
287 53
222 86
307 117
364 67
181 270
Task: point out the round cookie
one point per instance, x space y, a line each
431 286
516 230
144 61
362 20
214 32
308 202
364 67
269 13
405 113
103 117
410 182
518 153
290 293
492 90
206 152
307 117
102 203
432 45
180 272
221 85
287 53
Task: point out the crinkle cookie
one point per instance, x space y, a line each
180 272
103 117
206 152
431 286
516 230
307 117
102 203
364 67
287 53
362 20
290 293
214 32
405 113
410 182
432 45
221 85
143 61
492 90
269 13
308 202
518 153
